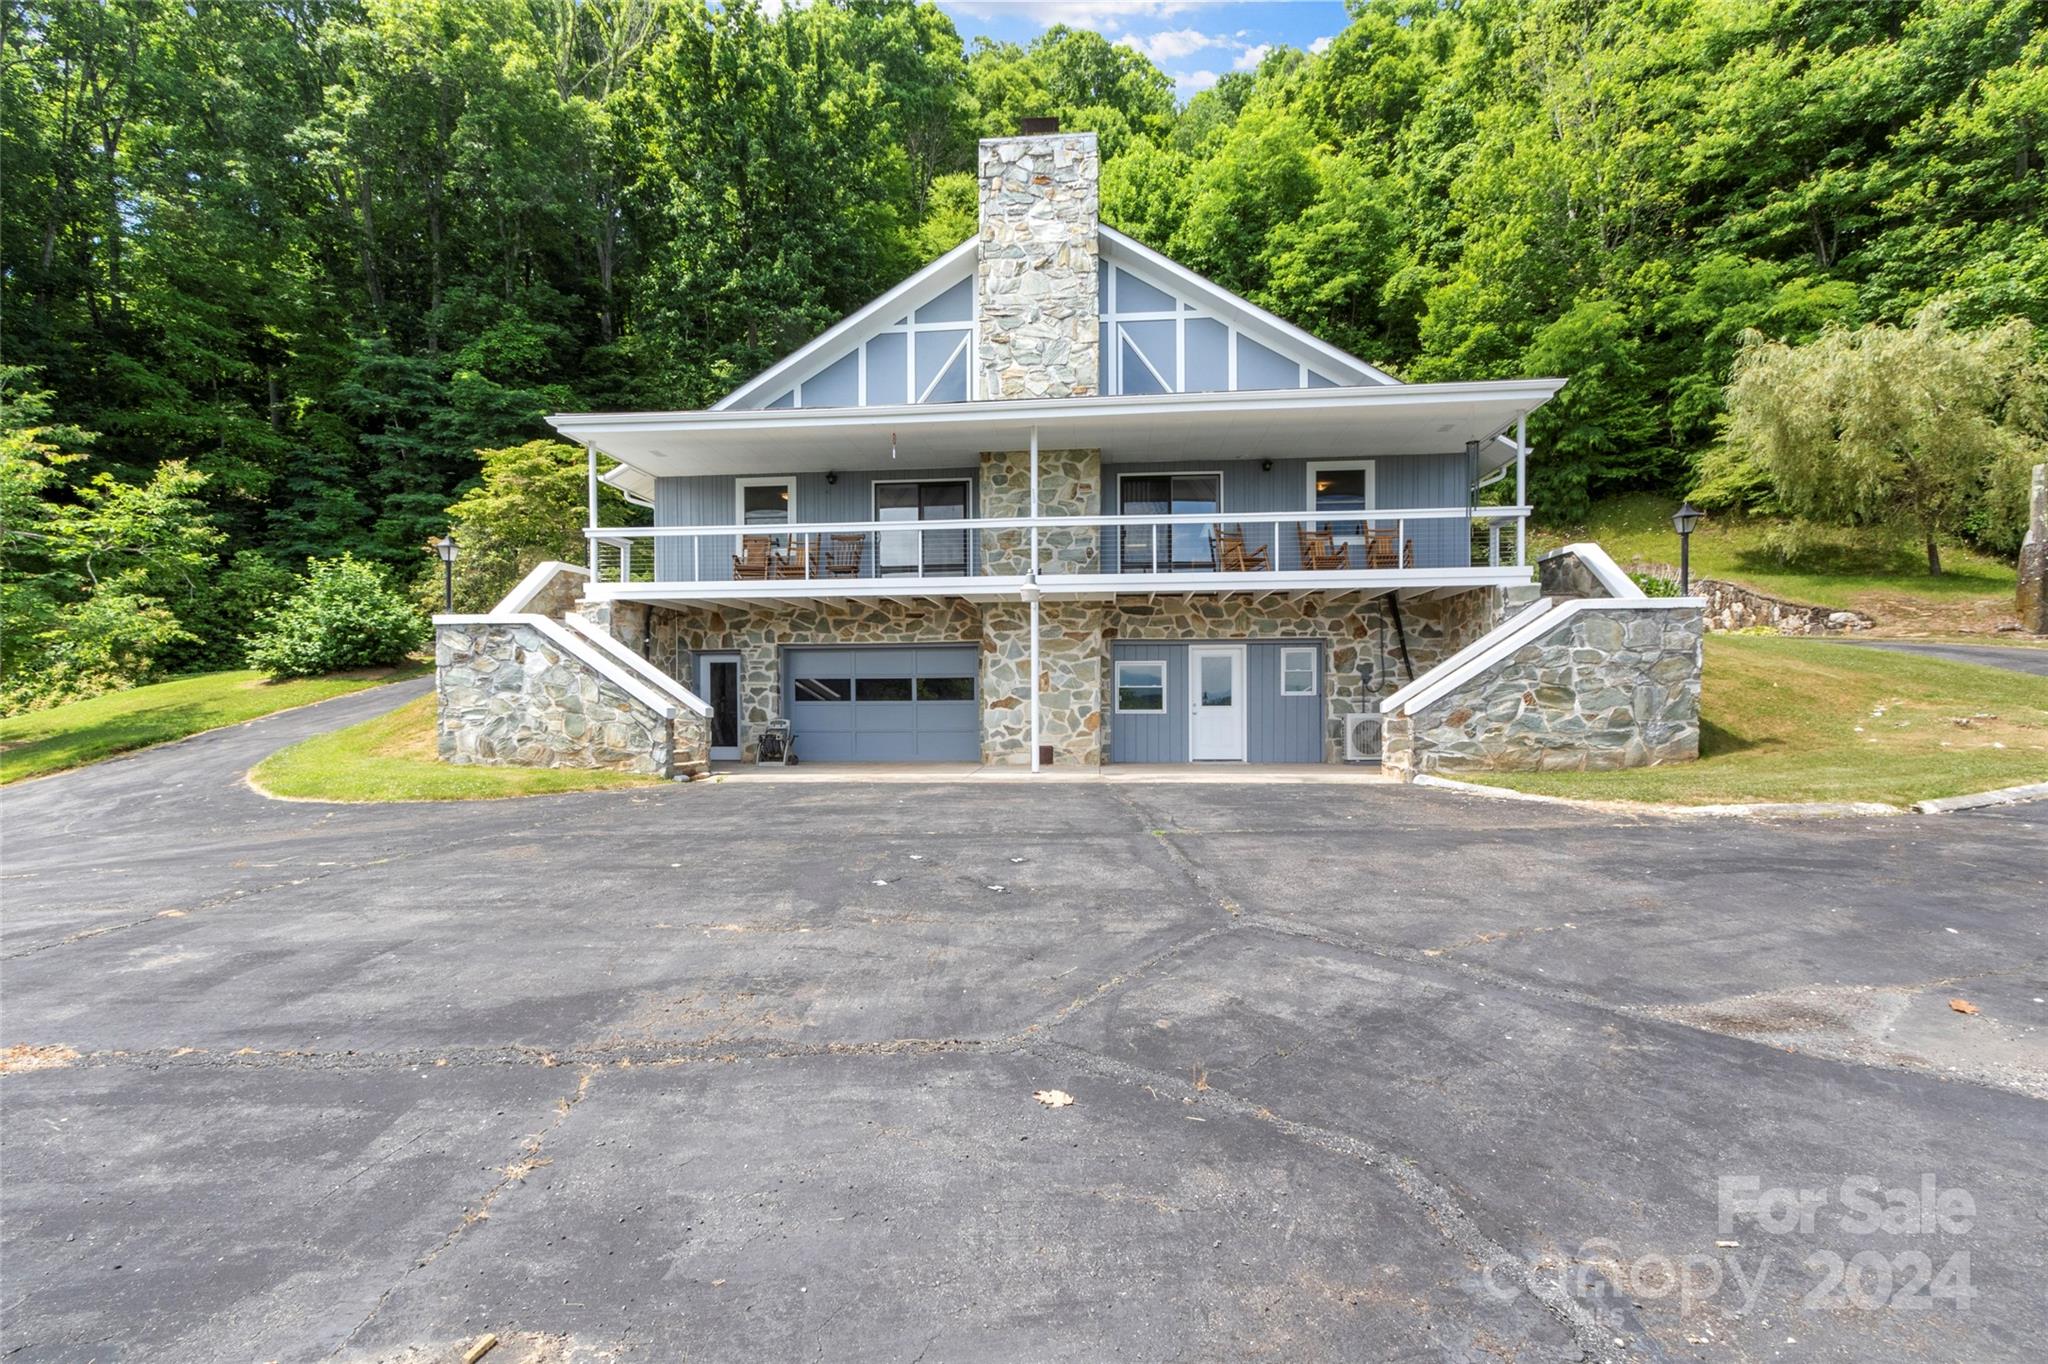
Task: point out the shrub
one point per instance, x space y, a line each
1655 584
346 616
217 614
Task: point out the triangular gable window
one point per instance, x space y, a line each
923 356
1155 342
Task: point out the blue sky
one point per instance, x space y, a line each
1194 41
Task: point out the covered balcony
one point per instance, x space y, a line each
1378 489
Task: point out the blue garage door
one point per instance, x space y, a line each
884 705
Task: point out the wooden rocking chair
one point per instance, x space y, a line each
1320 551
843 555
1380 551
1232 554
794 562
756 558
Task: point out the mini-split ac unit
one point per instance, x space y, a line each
1362 737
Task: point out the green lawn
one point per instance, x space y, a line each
392 758
1803 720
65 736
1872 571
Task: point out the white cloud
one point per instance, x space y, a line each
1249 59
1192 82
1170 45
1322 44
1103 16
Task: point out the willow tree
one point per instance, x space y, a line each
1910 426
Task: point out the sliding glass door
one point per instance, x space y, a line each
1178 547
944 552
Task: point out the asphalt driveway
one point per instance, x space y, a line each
741 1073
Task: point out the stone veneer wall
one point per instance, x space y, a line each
1617 686
1035 269
758 635
1363 651
1072 662
512 697
556 598
1069 484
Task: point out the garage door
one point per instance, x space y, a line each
884 705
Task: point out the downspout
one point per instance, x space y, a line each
1031 595
1401 634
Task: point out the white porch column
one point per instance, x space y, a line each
590 523
1521 489
1031 594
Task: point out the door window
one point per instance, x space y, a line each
1338 490
1216 681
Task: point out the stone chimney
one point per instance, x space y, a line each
1034 275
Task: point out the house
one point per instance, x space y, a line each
1055 456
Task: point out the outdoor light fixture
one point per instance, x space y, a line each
445 547
1266 466
1683 520
831 478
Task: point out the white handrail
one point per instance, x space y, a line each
1256 518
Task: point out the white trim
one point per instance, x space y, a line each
1241 313
739 499
1536 621
1117 686
1372 482
1619 585
1240 704
906 297
582 650
521 597
582 426
1314 669
653 676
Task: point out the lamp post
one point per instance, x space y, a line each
445 547
1683 520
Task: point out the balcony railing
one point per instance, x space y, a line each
1281 544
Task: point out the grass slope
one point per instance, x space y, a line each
1872 571
392 757
65 736
1797 720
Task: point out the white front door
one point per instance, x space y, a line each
1216 703
718 682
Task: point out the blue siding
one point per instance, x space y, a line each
1161 738
712 500
1278 729
1398 480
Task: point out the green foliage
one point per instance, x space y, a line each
347 615
1914 426
314 258
528 507
1654 584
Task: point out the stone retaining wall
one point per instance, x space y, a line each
1612 686
511 696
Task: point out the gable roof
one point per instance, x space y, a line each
1117 250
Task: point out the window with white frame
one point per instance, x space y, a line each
1298 672
765 501
1141 687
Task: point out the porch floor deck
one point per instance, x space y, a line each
1211 774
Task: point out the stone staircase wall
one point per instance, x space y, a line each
1602 678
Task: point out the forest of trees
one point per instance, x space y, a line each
276 271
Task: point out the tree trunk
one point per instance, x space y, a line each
1933 556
